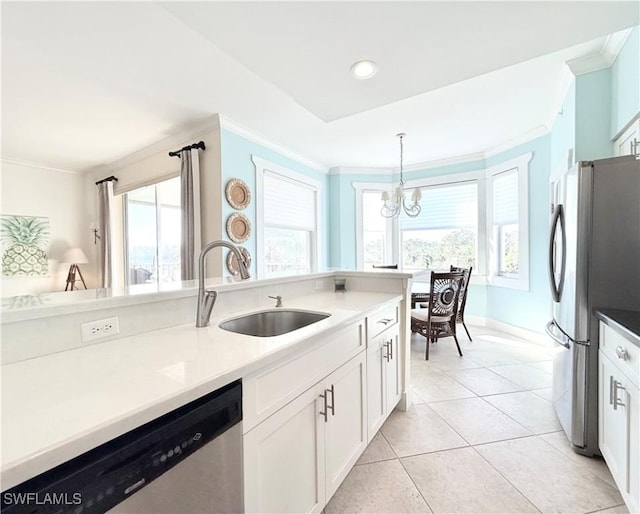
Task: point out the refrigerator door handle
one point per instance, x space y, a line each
557 221
565 338
552 335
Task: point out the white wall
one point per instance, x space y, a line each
28 190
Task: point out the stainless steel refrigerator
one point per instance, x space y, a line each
594 262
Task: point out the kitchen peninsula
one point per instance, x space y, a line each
65 399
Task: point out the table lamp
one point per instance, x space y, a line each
74 256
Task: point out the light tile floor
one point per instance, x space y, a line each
481 436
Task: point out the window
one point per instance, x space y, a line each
375 236
287 207
505 222
152 233
508 223
446 230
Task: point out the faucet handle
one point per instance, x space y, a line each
278 300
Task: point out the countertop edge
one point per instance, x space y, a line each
612 318
31 465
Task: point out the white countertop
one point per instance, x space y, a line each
59 406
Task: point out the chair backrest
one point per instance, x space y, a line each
386 266
462 298
445 289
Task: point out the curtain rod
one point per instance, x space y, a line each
199 144
107 180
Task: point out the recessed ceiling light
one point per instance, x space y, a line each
364 69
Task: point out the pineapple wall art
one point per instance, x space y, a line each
25 240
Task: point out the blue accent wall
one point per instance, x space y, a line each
625 83
236 152
593 115
529 309
563 133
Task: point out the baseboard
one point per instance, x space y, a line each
522 333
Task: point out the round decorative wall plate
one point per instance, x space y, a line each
238 194
232 261
238 227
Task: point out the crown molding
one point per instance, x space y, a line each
355 170
604 58
614 43
174 137
39 165
440 163
535 133
261 140
566 81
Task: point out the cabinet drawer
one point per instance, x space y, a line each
268 390
621 351
382 320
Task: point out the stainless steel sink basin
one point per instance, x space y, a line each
273 322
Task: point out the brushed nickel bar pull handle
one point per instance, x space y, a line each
616 401
324 414
385 321
391 349
333 400
385 356
611 389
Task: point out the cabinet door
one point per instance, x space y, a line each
626 143
614 420
376 388
393 371
346 425
284 459
632 493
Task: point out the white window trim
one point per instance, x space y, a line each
264 166
391 250
520 163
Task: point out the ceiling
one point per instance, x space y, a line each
85 84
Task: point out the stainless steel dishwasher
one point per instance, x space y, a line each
187 461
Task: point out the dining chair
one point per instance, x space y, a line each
462 298
438 319
386 266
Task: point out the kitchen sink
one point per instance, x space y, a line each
273 322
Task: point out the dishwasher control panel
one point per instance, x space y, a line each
101 478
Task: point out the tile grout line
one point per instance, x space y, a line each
532 433
505 477
416 486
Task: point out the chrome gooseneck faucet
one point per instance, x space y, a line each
207 298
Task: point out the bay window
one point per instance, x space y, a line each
478 219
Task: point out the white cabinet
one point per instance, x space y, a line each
619 414
346 421
306 418
628 143
296 459
384 388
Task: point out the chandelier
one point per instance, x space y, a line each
393 205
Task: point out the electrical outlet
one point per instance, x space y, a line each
99 329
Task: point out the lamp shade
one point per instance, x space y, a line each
75 256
